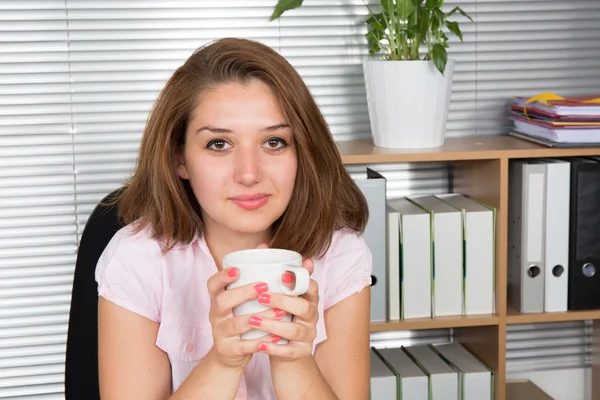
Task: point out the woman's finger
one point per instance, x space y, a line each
288 351
221 279
228 299
245 323
217 283
288 330
289 279
312 294
241 347
309 265
303 307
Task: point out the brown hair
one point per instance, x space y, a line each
325 197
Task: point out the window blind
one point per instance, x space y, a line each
38 237
78 77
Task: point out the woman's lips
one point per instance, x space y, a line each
251 201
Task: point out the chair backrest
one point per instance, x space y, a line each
81 363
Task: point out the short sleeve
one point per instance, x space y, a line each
129 274
348 267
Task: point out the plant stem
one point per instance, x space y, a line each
395 44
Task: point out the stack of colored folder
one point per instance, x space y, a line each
556 121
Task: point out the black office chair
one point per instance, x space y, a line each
81 364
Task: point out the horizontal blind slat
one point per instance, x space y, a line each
31 390
33 331
32 371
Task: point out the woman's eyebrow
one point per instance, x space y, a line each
276 127
215 129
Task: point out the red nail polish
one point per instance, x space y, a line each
232 272
255 321
264 298
262 347
279 313
261 287
275 338
287 278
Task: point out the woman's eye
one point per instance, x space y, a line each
217 145
276 143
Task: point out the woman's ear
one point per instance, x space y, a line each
180 167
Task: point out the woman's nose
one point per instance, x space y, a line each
247 171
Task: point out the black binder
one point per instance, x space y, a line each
584 235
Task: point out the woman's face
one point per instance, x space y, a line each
240 158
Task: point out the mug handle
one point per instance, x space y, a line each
302 282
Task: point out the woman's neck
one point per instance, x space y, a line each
221 243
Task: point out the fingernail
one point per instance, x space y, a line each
279 313
264 298
255 321
261 287
262 347
232 272
275 338
287 278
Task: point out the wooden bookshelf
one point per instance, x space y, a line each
525 390
480 169
435 323
513 316
456 149
596 361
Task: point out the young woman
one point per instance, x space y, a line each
235 155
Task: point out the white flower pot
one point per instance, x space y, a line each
408 102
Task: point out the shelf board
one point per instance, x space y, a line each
525 390
463 148
513 316
435 323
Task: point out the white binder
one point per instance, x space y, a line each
383 380
374 190
393 264
475 378
479 242
526 244
415 259
558 186
443 379
446 234
411 381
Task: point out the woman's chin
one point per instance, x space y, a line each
251 225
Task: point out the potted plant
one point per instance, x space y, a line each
408 79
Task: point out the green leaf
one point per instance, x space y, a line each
283 6
424 24
404 9
453 27
440 57
455 9
376 32
432 3
437 20
376 22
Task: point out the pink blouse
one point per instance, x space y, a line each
171 289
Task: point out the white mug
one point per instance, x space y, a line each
266 265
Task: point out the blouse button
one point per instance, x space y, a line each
240 395
189 348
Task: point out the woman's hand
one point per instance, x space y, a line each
229 349
302 330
